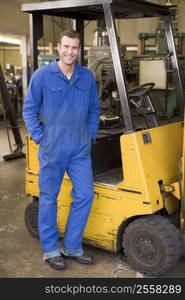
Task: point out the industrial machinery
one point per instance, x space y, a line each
154 54
138 168
9 114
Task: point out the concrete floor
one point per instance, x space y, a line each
20 253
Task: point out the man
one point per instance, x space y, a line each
65 95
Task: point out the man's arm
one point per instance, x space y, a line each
31 108
94 110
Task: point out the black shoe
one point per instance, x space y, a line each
83 259
57 263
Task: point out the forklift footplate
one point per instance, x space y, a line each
111 177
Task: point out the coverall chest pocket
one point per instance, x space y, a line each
54 104
55 89
81 94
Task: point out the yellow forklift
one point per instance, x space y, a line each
138 206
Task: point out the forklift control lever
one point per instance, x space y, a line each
167 63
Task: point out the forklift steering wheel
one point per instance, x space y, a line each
141 90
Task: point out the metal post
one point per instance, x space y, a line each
118 67
80 29
23 51
174 62
36 32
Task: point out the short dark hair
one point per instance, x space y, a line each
69 33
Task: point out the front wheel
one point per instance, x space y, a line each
152 245
31 218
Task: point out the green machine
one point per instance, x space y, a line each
45 59
154 49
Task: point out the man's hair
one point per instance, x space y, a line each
69 33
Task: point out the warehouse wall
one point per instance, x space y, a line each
13 21
9 56
181 13
128 30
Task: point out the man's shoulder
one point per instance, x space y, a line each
84 70
41 70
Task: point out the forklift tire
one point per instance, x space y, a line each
152 245
31 218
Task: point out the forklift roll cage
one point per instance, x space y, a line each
110 10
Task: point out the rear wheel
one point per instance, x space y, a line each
152 245
31 218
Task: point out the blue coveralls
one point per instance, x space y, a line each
70 118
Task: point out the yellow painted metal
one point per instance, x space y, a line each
176 191
145 165
182 215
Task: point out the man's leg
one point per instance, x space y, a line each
80 173
49 184
50 179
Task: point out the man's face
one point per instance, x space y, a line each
69 49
